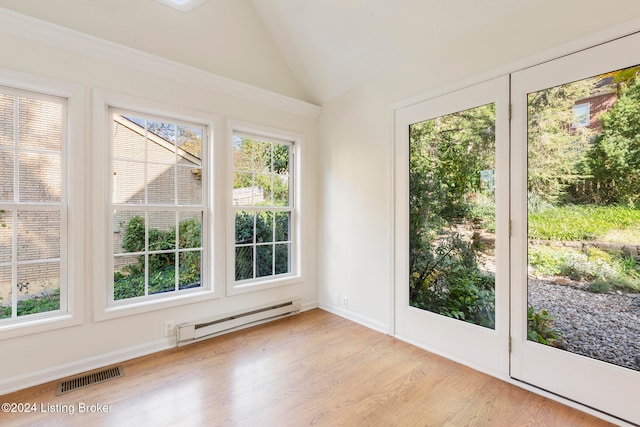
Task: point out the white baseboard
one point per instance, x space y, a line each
19 382
364 321
309 305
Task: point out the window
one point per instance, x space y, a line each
33 206
263 206
581 115
158 206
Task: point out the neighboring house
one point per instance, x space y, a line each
587 111
162 154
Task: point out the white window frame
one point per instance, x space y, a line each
212 256
72 274
295 275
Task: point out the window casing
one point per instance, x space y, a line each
158 207
264 210
33 207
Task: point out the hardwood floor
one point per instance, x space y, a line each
312 369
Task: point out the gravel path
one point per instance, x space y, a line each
602 326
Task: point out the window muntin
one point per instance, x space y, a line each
263 207
158 205
33 206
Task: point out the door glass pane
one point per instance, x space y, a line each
584 217
452 215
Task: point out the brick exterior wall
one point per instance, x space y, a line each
37 151
598 104
162 167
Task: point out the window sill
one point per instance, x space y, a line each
34 325
145 306
237 288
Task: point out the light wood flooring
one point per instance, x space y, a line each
311 369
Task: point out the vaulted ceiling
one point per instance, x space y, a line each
312 50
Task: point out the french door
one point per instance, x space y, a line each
575 211
517 226
452 225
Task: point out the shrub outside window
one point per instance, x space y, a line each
158 205
33 206
263 207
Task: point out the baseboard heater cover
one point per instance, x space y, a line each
196 331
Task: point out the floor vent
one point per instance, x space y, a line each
91 378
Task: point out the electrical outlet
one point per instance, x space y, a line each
169 326
344 301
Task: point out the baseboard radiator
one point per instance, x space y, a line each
207 328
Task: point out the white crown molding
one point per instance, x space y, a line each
32 29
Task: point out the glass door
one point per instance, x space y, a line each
452 235
576 227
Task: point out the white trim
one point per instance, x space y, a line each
102 223
42 376
297 269
362 320
310 305
22 26
391 232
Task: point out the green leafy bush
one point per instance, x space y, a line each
129 282
599 286
540 328
604 271
483 209
450 283
36 304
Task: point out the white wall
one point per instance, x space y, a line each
38 357
355 134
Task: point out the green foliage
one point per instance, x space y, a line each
129 282
599 286
267 166
581 222
540 328
483 210
270 226
36 304
39 304
613 162
554 147
446 156
133 240
448 281
604 271
569 263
